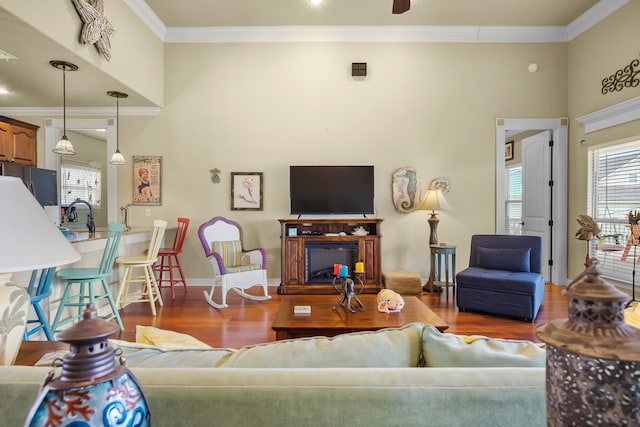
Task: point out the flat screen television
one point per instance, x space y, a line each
326 190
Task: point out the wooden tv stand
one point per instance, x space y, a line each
300 236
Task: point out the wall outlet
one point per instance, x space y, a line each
147 212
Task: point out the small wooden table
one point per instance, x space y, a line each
323 321
438 251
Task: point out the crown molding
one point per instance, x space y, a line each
364 33
617 114
591 17
148 16
79 111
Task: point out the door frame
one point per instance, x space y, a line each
559 127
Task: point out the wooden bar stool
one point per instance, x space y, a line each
149 292
39 289
168 259
85 278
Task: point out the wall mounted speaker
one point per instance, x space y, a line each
358 69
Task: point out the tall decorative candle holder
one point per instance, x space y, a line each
346 287
593 358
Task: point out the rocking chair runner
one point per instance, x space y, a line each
234 267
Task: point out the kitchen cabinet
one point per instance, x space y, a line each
18 141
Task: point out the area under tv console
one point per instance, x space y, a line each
310 248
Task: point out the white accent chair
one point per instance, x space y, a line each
234 267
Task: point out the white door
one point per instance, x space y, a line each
536 194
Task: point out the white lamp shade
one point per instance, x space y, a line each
30 240
64 147
117 158
433 200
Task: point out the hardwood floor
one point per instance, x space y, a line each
247 322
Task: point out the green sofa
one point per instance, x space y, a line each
409 376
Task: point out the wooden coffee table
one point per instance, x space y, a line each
323 321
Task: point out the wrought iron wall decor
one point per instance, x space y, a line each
626 77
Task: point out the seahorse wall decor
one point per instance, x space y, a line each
407 189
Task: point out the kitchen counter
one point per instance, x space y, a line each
79 236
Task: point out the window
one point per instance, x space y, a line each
513 201
80 181
614 192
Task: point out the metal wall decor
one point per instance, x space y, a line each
215 175
626 77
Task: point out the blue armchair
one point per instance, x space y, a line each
503 276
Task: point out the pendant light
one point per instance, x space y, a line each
117 158
64 146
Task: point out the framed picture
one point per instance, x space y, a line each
246 191
147 180
508 150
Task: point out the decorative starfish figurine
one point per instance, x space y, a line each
97 29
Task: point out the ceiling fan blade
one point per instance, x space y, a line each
401 6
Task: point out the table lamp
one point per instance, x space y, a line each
30 239
433 201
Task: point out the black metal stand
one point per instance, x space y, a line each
633 275
346 288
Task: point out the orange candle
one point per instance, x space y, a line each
359 267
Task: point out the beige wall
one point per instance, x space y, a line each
263 107
132 41
593 56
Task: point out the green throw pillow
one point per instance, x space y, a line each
386 348
448 350
148 356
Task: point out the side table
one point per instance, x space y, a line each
438 252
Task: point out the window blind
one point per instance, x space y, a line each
513 201
614 191
80 181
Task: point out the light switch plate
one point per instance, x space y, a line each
147 212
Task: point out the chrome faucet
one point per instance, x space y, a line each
90 224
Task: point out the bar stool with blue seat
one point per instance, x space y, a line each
39 289
86 278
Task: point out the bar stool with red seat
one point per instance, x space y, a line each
168 259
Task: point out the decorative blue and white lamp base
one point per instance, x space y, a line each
115 402
92 389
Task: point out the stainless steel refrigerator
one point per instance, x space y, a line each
42 183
